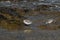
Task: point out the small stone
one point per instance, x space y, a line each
49 21
27 22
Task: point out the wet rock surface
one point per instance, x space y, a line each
44 15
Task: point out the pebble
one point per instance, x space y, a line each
27 22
